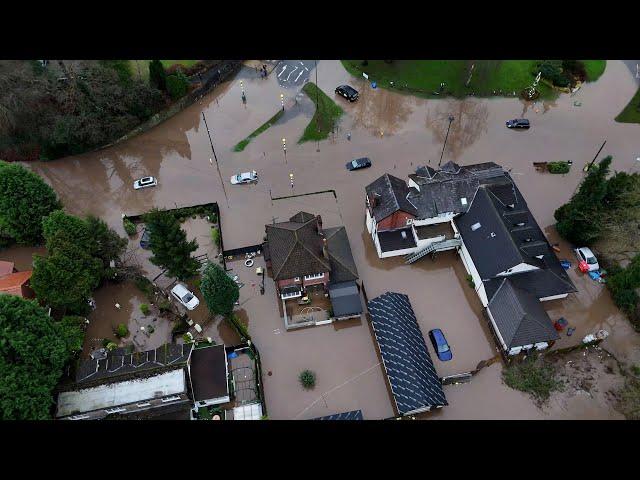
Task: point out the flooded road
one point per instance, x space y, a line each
398 133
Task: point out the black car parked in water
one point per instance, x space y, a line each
358 163
145 240
347 92
518 123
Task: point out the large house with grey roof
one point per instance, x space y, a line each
478 211
304 256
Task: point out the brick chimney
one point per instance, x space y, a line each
325 248
319 224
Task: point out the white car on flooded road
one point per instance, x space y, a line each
145 182
246 177
185 297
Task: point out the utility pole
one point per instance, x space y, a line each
587 167
216 157
451 119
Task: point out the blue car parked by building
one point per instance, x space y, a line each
440 345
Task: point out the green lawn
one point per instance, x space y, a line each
631 113
242 145
324 119
489 78
594 68
140 68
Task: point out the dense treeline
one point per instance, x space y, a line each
69 107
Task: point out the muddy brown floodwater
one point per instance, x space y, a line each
398 133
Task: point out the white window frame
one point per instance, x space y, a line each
115 410
172 398
296 279
314 276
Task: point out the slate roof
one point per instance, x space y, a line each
413 379
295 247
116 365
345 299
540 283
209 373
343 267
519 317
509 235
353 415
440 191
390 195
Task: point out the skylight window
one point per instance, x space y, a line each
475 226
463 200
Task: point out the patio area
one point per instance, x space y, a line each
312 308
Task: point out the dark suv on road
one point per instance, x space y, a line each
518 123
347 92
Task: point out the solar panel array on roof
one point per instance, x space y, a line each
413 379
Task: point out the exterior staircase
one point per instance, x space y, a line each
449 244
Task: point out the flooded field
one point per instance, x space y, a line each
398 133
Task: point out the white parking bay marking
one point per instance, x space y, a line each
301 72
291 73
283 69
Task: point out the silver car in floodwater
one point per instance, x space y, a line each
145 182
185 297
246 177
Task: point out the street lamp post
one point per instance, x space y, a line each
244 97
291 179
451 119
282 100
284 149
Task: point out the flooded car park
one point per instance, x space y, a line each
400 133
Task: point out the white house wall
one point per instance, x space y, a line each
496 330
471 270
445 217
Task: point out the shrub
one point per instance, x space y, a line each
187 338
177 85
164 305
105 342
121 331
558 167
111 346
180 327
144 308
470 281
307 379
215 236
534 376
630 399
157 75
144 285
129 226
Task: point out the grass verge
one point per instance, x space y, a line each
594 69
423 77
240 146
535 376
324 119
631 113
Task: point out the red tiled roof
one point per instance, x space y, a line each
6 268
12 284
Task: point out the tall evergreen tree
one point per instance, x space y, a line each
157 75
169 245
219 291
33 352
581 219
24 200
